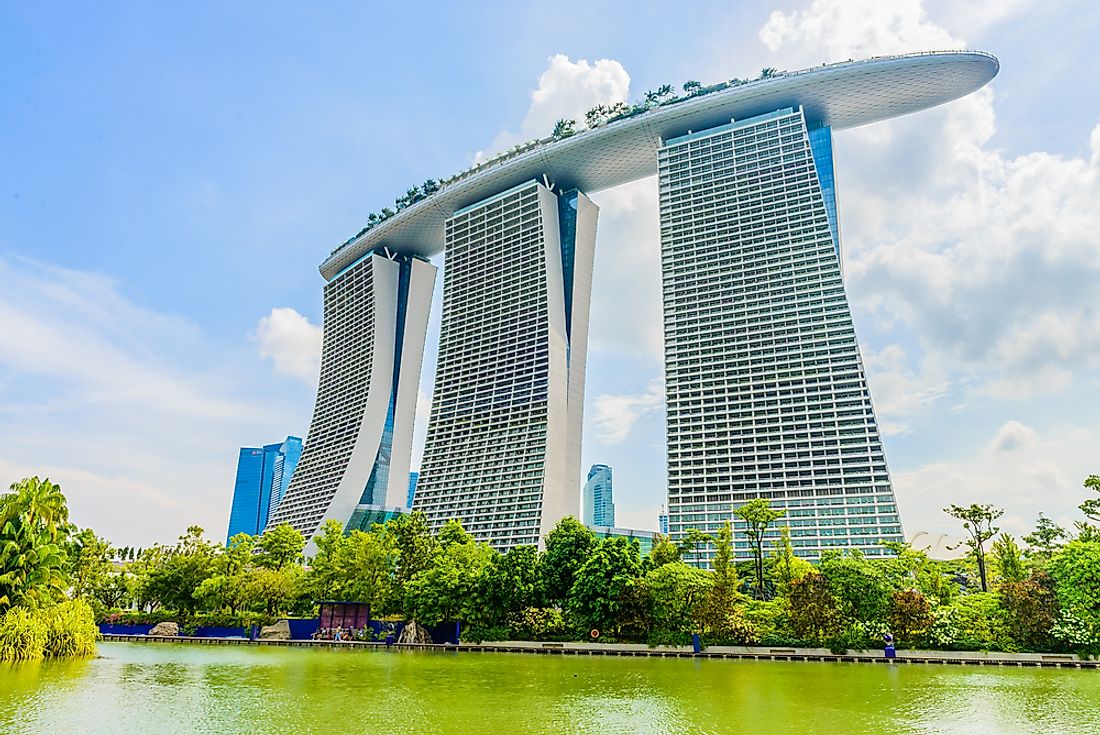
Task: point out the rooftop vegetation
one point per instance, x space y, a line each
598 117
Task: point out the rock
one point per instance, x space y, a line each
414 632
166 628
280 631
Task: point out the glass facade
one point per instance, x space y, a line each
598 503
413 478
263 474
644 538
766 390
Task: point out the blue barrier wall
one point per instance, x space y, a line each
124 629
302 628
210 631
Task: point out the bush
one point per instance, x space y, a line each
979 624
70 630
539 624
668 638
22 636
479 633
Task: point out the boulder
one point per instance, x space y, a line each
414 632
166 628
280 631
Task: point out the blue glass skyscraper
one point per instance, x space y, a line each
414 477
263 475
599 506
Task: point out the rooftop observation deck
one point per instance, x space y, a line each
842 95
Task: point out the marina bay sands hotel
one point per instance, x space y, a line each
766 390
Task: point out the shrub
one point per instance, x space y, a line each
479 633
1031 610
22 636
980 625
70 630
539 624
910 615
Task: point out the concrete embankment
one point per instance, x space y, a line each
962 658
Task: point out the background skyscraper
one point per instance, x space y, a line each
662 521
263 473
414 477
598 502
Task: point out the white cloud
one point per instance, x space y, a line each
567 89
1013 436
292 342
616 414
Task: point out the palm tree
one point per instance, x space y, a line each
595 116
665 90
651 97
692 87
36 503
564 128
767 72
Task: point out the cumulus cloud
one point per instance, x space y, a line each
292 342
566 90
1012 436
616 414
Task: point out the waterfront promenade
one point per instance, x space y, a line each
962 658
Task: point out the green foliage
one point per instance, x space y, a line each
539 624
909 616
568 546
1030 610
679 594
416 549
34 529
814 612
1091 507
860 588
448 589
22 635
279 547
510 583
663 552
71 631
1045 540
1076 573
978 523
757 515
1008 560
978 624
603 594
787 567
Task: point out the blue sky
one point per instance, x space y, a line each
170 178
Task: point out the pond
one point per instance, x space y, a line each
181 688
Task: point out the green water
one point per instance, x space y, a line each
160 689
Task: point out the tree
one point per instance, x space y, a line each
663 552
568 545
90 567
1008 560
596 116
679 593
860 587
692 86
173 581
564 128
273 590
768 72
325 580
1091 507
600 592
718 614
279 546
787 567
33 529
909 615
367 563
664 91
1076 573
978 523
1045 540
447 591
510 584
1031 609
757 515
813 609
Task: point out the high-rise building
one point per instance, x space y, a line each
263 474
766 390
503 446
414 477
356 460
662 521
598 505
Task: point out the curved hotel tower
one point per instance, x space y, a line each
766 391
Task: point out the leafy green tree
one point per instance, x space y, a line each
415 545
90 570
33 531
1076 573
814 613
787 567
978 522
757 515
564 128
1045 540
568 545
172 582
860 587
663 552
1008 560
692 86
273 590
679 595
510 584
1091 507
367 565
719 614
448 589
325 579
279 546
600 591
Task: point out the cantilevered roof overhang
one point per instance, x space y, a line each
843 95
